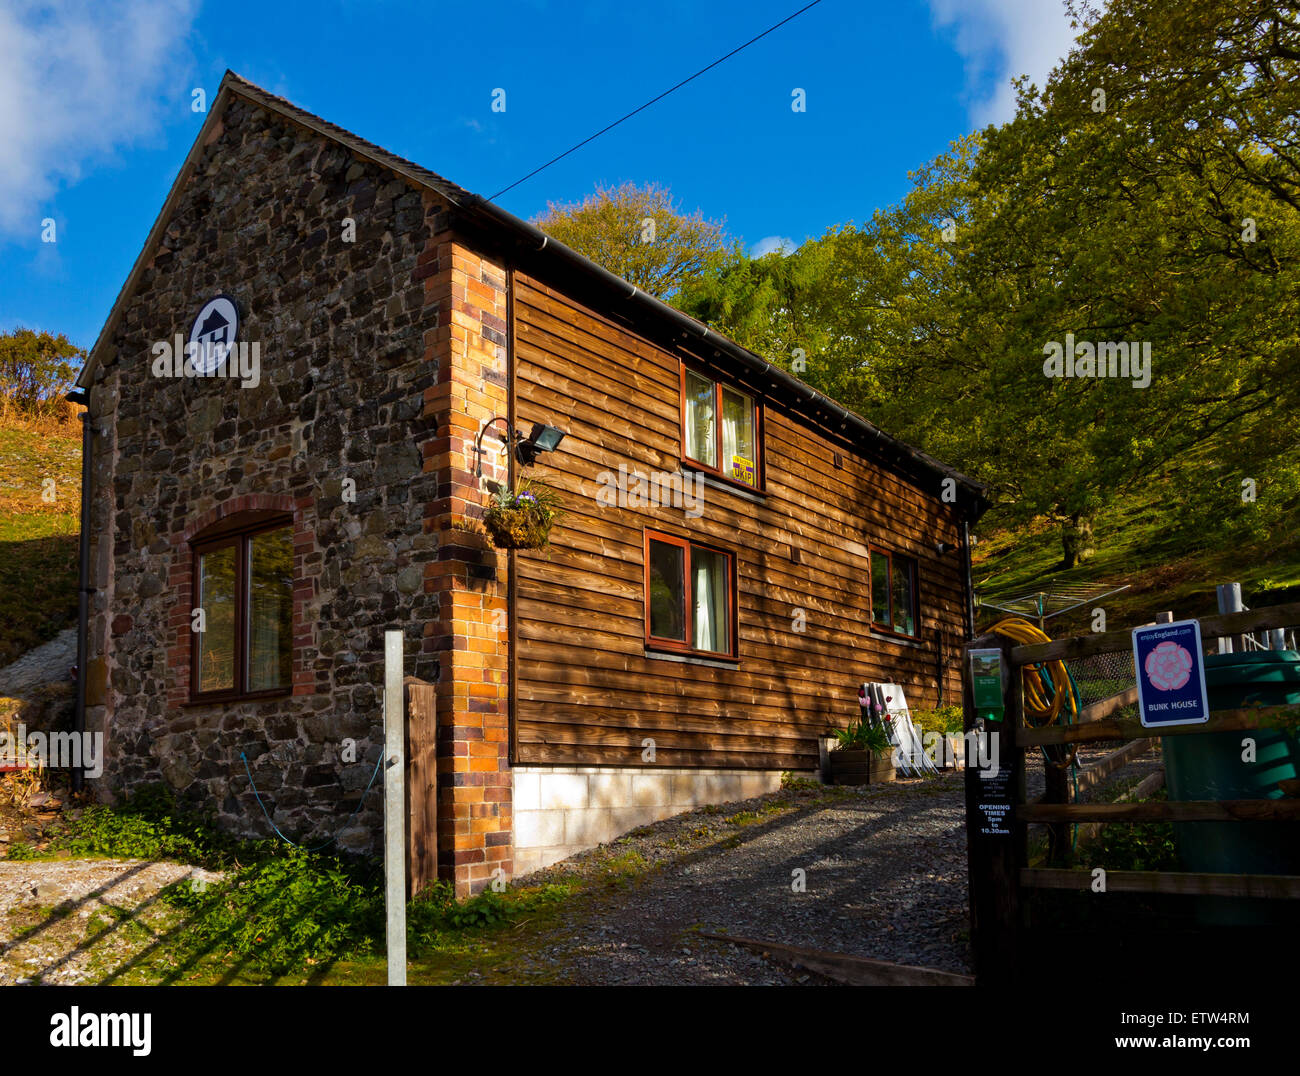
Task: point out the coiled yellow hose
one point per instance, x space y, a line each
1039 709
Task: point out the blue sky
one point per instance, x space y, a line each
96 116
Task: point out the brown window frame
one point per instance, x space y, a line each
654 642
233 531
759 485
915 567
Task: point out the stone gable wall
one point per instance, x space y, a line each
344 374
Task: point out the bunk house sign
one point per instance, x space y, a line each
1170 674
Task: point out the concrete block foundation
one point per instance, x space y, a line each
560 810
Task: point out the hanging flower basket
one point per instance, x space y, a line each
522 518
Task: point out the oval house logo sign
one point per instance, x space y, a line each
213 334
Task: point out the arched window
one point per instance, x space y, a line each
243 583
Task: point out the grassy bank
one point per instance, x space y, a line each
40 498
1144 542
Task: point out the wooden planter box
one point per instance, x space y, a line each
861 767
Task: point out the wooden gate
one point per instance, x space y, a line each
1010 944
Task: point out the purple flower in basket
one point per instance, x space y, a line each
527 497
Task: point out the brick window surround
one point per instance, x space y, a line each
181 583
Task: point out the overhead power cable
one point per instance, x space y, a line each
654 100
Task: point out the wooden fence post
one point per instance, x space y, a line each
1056 789
421 785
996 841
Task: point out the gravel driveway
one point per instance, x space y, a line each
884 873
885 876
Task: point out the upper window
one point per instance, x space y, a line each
243 582
690 596
720 429
893 592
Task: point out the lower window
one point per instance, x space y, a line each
893 592
244 586
690 596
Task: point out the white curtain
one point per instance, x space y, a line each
709 576
703 613
737 434
729 442
700 431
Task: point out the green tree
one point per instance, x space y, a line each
638 233
1161 211
1116 209
871 314
36 369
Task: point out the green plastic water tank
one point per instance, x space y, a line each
1209 766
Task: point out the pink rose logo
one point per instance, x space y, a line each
1168 666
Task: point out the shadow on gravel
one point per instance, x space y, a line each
885 878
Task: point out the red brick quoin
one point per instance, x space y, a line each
475 812
181 585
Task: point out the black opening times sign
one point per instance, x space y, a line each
993 801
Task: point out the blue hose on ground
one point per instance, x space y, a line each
315 848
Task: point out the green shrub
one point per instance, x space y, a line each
36 370
945 720
860 736
484 910
1147 846
150 825
277 914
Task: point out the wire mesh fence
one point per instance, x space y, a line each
1099 676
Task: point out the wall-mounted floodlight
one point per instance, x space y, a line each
544 438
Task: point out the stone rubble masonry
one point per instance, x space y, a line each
469 577
344 331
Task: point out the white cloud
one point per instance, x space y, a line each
771 243
999 40
78 82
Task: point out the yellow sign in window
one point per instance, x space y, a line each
742 470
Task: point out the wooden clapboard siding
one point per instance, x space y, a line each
585 689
